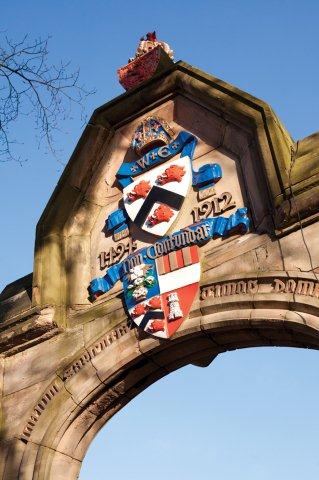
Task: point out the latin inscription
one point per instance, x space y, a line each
299 287
95 350
242 287
223 289
109 397
229 288
169 244
215 206
51 392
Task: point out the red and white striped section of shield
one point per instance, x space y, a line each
178 259
178 272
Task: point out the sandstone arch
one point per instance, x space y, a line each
101 380
69 364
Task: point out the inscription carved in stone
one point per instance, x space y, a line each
114 255
275 285
95 350
229 288
299 287
213 206
92 352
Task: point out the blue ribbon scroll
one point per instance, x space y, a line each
216 226
117 221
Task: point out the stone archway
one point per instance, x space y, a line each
102 379
72 357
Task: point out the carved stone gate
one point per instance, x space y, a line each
72 357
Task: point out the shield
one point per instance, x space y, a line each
154 199
159 293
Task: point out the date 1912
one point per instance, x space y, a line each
213 206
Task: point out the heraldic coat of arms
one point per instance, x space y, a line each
160 292
161 279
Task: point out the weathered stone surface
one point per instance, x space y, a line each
207 126
25 330
305 169
16 406
236 140
16 298
299 249
39 362
67 365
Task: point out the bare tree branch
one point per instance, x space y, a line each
30 85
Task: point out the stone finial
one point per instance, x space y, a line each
151 57
149 43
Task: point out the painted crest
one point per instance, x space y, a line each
159 292
153 200
161 279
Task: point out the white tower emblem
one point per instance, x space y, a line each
175 310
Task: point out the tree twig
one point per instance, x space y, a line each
30 85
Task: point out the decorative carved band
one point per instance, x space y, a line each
92 352
95 350
298 286
37 411
108 398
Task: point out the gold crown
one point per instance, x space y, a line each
152 132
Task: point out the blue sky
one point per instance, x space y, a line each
252 414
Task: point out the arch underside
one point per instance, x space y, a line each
64 433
